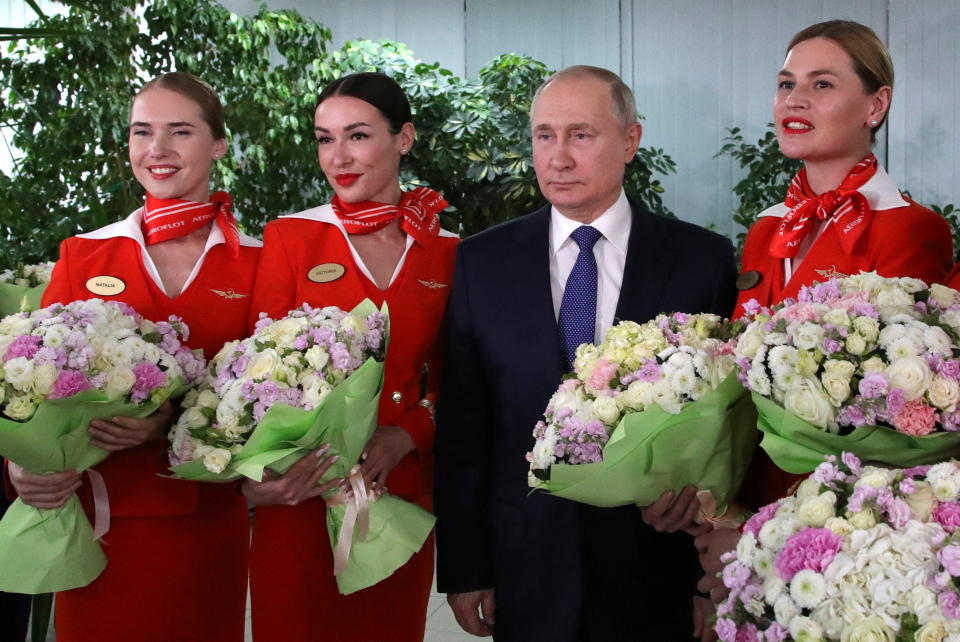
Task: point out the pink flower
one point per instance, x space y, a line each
798 312
950 558
69 383
726 630
915 418
757 520
603 372
149 378
949 604
947 514
811 548
26 345
747 633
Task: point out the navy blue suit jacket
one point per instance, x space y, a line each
551 560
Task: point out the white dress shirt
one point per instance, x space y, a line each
610 252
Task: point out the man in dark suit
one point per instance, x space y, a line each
536 567
14 608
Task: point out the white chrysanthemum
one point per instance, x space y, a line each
19 373
807 335
807 589
773 588
758 381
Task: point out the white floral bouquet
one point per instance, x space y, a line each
63 366
311 378
653 408
22 287
858 554
863 363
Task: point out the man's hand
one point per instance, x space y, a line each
43 491
297 485
121 433
703 611
474 611
673 512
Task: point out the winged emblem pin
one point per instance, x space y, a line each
432 284
229 294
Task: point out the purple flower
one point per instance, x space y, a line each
950 368
851 461
776 633
950 558
26 345
649 371
726 630
908 486
240 366
747 633
898 512
949 604
873 386
268 392
811 548
302 342
830 345
69 383
752 307
761 517
340 356
827 472
947 514
50 356
895 401
148 378
735 575
259 410
951 421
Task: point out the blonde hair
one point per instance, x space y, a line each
871 58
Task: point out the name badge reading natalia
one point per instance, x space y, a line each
326 272
106 285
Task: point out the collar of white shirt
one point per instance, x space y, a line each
613 224
130 227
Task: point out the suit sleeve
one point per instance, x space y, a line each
419 421
274 287
59 289
725 293
463 442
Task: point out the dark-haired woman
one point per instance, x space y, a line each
842 213
176 550
386 245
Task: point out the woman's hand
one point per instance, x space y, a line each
121 433
384 451
43 491
675 512
300 483
711 546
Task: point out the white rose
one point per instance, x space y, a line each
808 402
837 317
910 374
20 408
837 386
808 488
43 379
943 295
944 393
817 510
119 382
207 398
637 396
934 631
284 331
870 629
840 367
873 364
838 525
855 344
862 520
314 395
807 336
193 418
216 460
921 501
317 356
867 327
19 373
263 364
572 399
606 408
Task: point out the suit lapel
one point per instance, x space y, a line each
532 301
647 270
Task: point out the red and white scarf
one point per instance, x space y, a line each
845 206
417 208
170 218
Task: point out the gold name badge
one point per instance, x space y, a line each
106 285
326 272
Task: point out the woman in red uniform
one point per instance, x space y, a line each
842 213
372 241
177 550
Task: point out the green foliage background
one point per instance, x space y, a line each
66 84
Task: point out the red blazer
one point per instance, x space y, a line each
952 280
905 241
215 305
416 299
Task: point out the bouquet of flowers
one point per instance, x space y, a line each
311 378
653 408
858 554
63 366
22 287
863 364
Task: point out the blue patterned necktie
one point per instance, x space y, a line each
578 310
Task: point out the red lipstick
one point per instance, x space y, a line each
346 180
804 125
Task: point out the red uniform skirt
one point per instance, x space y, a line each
168 578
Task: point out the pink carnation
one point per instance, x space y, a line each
69 383
915 418
798 312
149 378
811 548
603 372
947 514
758 519
26 345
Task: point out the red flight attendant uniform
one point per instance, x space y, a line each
902 239
952 280
293 591
176 550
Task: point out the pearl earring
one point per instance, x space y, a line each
873 123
